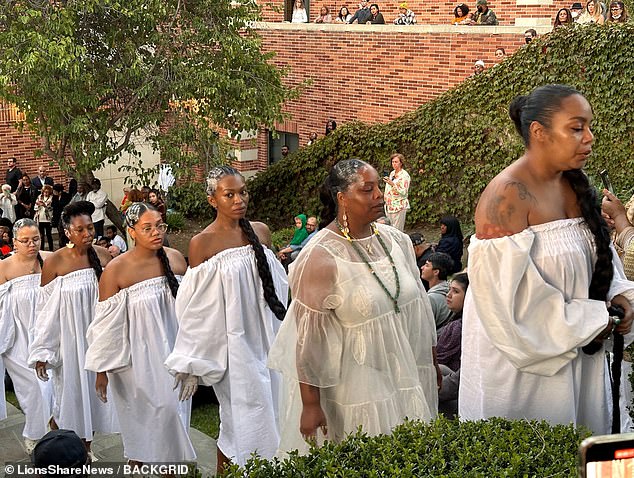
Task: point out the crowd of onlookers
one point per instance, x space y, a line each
593 12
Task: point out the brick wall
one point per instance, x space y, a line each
375 74
509 12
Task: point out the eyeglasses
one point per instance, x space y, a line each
35 241
161 228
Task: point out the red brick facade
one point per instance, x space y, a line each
374 73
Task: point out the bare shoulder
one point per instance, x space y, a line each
504 206
176 260
52 263
202 246
263 232
103 254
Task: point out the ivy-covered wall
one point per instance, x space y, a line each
455 144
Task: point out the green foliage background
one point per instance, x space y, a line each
464 138
495 447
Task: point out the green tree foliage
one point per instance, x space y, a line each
457 143
451 449
92 74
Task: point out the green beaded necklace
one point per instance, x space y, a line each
366 261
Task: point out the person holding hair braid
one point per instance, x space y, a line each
229 308
65 309
357 347
542 274
133 333
19 289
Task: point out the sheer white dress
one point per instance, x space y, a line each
132 335
526 316
225 331
374 366
18 298
65 309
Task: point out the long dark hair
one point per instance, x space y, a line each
132 216
264 271
341 176
82 208
540 106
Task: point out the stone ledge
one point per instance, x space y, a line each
414 29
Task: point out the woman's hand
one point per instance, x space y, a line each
389 181
626 322
40 370
101 385
312 417
188 384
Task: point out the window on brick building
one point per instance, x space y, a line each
275 145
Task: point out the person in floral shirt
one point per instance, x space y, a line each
396 189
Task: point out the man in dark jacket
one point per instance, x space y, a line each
13 176
363 14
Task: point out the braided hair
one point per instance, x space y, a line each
26 222
132 216
540 106
341 176
82 208
264 271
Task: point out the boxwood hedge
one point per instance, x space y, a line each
449 448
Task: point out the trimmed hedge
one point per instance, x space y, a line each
448 448
464 137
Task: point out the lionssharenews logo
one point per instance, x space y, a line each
105 470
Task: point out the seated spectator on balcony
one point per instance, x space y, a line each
377 16
530 35
461 15
331 124
618 13
592 14
299 12
576 10
344 15
563 18
405 16
484 15
362 15
500 53
324 16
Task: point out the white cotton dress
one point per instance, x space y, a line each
132 335
526 316
18 298
374 366
225 332
65 309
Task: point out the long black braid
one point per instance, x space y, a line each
132 216
540 106
264 271
82 208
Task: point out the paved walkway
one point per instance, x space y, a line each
107 448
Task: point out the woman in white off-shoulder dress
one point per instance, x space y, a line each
66 307
133 333
19 289
229 308
542 271
357 345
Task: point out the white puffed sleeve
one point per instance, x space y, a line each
108 336
45 346
201 344
525 317
7 323
308 346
